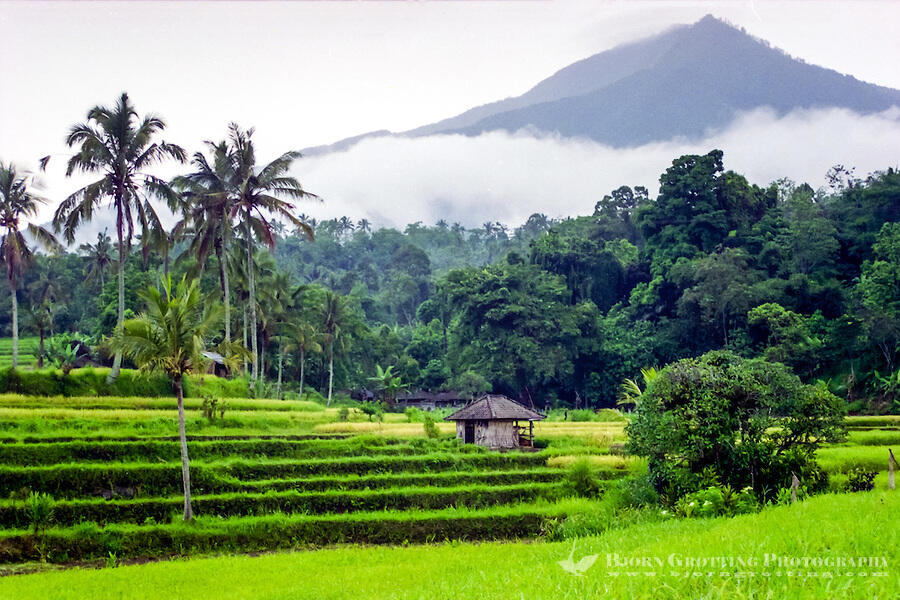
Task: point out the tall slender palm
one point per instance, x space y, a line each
257 194
304 338
161 240
335 319
41 317
99 257
208 204
117 143
17 202
169 337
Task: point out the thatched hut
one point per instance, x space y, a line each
496 422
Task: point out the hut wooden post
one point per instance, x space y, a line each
891 463
795 484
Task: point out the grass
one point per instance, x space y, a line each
829 527
603 461
27 346
840 459
874 437
34 403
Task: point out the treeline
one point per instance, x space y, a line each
552 312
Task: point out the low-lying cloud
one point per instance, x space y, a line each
506 177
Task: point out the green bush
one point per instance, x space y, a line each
690 415
581 479
861 480
636 491
431 430
717 501
38 511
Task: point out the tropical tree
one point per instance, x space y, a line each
17 202
303 338
389 384
98 257
41 320
255 197
335 318
208 204
630 391
169 337
118 144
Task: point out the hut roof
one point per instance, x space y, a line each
215 357
495 408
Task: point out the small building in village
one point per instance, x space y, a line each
431 400
496 422
216 365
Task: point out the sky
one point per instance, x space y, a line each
310 73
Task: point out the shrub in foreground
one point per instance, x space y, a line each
690 415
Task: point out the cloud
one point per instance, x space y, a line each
506 177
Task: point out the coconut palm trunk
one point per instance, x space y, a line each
330 370
15 322
251 280
302 364
41 350
185 464
245 338
280 366
120 316
226 292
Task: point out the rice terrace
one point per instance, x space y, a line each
605 304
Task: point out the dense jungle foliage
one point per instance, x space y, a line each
558 312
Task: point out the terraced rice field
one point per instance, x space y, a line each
268 475
27 347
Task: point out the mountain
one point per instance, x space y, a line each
680 83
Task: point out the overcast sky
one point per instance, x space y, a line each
309 73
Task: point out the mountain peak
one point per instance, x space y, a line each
709 22
683 82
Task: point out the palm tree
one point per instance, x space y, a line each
303 338
208 205
335 318
162 241
41 318
388 384
256 196
99 257
117 143
169 337
18 202
630 391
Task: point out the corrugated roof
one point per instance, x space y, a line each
214 356
496 408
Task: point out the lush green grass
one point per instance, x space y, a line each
14 514
142 403
831 527
155 450
886 421
242 534
840 459
874 437
67 480
27 347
